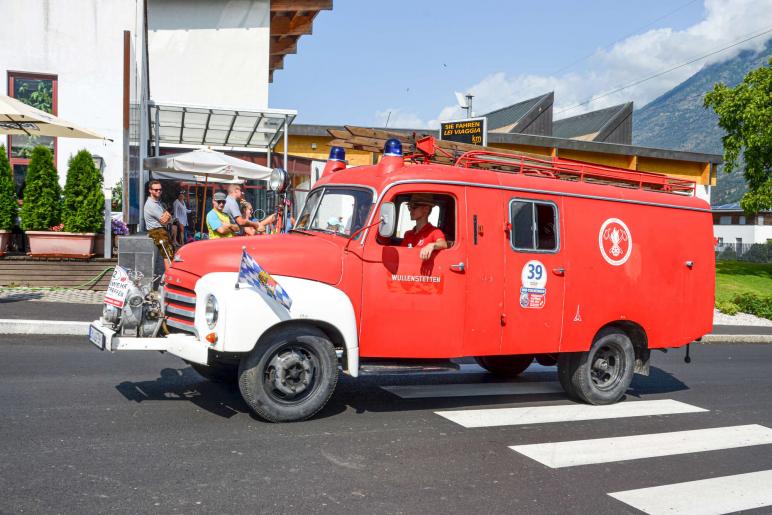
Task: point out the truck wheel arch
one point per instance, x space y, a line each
332 332
639 339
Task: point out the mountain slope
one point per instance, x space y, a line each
677 119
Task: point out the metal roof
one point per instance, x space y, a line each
219 128
595 125
510 118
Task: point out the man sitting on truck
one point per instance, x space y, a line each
424 235
220 224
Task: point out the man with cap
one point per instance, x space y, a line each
424 235
220 224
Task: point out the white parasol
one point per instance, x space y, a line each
19 119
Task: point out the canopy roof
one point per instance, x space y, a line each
207 164
19 119
221 128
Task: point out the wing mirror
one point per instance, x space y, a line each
388 219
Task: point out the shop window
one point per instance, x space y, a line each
40 92
534 226
442 216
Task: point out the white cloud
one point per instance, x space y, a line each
636 57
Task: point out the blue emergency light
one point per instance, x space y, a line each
337 154
393 147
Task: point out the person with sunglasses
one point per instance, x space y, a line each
219 223
156 218
424 235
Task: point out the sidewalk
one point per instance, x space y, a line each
36 312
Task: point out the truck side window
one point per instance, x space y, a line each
534 225
443 216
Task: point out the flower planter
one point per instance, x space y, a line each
5 237
67 244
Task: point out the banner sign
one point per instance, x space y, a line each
472 130
118 288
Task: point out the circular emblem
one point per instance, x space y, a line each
533 275
615 241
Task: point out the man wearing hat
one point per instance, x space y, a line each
424 235
220 225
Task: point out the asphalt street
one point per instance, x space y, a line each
85 431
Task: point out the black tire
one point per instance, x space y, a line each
602 374
546 360
290 376
217 372
505 366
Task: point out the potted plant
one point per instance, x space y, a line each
84 202
8 207
42 206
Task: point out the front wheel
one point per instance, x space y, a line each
602 374
505 366
291 376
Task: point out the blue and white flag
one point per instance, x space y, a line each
254 275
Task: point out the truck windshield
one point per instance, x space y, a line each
340 211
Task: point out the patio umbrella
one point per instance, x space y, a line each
207 163
19 119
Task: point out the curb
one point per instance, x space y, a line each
13 326
736 338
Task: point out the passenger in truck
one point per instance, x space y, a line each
424 235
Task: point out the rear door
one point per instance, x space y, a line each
534 276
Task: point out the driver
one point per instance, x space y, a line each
424 235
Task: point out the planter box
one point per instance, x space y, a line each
5 237
69 244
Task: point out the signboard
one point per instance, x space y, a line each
472 130
118 288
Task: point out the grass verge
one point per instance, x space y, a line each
742 286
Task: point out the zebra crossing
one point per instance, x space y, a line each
701 495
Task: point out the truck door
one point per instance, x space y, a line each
413 308
532 316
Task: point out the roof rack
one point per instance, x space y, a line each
428 149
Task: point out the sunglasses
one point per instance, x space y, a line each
412 206
156 189
219 202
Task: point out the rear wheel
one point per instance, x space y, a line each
602 374
291 376
505 366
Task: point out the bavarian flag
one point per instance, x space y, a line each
254 275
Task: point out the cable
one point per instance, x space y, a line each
88 283
640 81
633 33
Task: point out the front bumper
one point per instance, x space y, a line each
185 346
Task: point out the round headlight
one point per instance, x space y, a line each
279 180
212 310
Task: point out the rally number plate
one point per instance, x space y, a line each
96 337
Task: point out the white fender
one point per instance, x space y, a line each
246 313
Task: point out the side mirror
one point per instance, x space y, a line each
388 219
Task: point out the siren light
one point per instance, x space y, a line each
337 154
393 147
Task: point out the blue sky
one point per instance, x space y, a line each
367 59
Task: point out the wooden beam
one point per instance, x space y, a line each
300 25
276 62
300 5
284 45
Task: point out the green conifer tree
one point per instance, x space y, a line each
8 206
42 208
84 201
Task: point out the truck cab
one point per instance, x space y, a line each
546 260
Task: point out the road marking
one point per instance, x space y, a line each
473 390
565 413
607 450
726 494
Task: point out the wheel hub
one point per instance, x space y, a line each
292 372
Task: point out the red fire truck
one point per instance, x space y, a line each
571 264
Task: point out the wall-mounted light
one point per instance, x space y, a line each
313 146
99 162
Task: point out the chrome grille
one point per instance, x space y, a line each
179 308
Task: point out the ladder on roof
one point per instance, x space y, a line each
427 149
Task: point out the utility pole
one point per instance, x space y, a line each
469 105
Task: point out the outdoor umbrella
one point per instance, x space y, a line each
208 164
17 118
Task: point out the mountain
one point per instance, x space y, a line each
677 120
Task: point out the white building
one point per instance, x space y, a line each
731 226
101 63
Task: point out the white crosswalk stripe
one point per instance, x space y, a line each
717 495
472 390
565 413
607 450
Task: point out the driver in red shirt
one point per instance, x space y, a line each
424 235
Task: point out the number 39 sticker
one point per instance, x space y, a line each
533 289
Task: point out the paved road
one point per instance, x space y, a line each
88 432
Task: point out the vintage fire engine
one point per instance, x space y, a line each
581 266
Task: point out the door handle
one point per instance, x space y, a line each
458 267
559 271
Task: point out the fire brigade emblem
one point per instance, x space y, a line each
615 241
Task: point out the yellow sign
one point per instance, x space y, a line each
472 130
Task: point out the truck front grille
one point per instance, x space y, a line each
180 308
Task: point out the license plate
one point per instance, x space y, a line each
96 337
